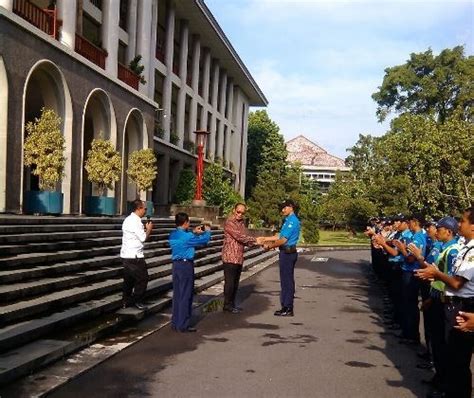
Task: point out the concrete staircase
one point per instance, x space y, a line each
61 281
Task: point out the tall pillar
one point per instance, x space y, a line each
144 38
195 86
152 50
215 88
132 29
110 35
183 72
206 74
167 89
230 100
223 89
211 139
67 14
228 144
7 4
220 140
243 149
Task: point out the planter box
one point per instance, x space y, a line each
43 202
100 206
150 210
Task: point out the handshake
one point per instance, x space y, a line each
267 242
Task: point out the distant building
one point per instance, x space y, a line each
316 162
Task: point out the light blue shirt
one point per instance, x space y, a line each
183 243
291 230
404 237
419 240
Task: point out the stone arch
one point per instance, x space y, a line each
3 134
135 137
98 118
46 86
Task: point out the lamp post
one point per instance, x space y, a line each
201 136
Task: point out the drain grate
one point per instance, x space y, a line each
316 259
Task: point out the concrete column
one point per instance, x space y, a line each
3 134
223 89
230 100
215 84
183 58
237 143
206 74
228 145
212 138
152 50
67 14
220 140
243 149
194 84
167 89
143 39
110 35
7 4
132 29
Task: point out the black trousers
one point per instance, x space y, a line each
458 353
135 280
231 283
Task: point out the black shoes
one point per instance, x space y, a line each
189 330
141 306
284 311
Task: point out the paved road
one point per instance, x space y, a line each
335 346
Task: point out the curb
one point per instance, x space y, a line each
310 248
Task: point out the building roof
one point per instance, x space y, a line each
302 150
209 29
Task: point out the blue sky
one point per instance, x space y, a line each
318 62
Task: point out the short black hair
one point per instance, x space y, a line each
137 204
180 219
470 211
417 217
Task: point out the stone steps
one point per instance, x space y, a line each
29 355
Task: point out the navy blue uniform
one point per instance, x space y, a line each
288 256
183 245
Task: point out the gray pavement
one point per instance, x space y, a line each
334 346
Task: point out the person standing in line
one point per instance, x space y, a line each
183 244
135 274
236 237
286 241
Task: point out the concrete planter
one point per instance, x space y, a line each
100 206
43 202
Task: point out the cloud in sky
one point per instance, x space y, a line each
318 62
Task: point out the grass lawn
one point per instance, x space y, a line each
341 238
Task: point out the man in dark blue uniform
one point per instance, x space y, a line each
286 241
183 245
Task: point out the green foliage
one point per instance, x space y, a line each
142 168
266 149
186 187
309 212
103 164
44 149
430 85
218 190
138 69
189 146
174 138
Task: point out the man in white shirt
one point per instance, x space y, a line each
135 274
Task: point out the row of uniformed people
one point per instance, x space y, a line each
435 260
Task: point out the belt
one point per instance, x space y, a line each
184 260
458 300
288 249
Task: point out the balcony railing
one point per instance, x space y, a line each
90 51
127 76
43 19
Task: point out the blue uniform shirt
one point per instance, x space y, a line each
434 252
291 230
183 243
405 237
419 239
451 256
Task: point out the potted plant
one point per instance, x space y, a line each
137 68
103 166
142 171
44 153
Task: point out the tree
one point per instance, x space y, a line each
430 85
266 148
44 149
142 168
103 165
309 211
186 187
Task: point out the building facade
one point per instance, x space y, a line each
316 163
74 56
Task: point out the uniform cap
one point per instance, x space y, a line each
448 223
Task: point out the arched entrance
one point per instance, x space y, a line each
135 137
3 134
46 87
98 120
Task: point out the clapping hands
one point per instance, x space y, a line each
465 321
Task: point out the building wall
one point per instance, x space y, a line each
24 49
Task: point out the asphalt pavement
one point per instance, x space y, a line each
335 346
